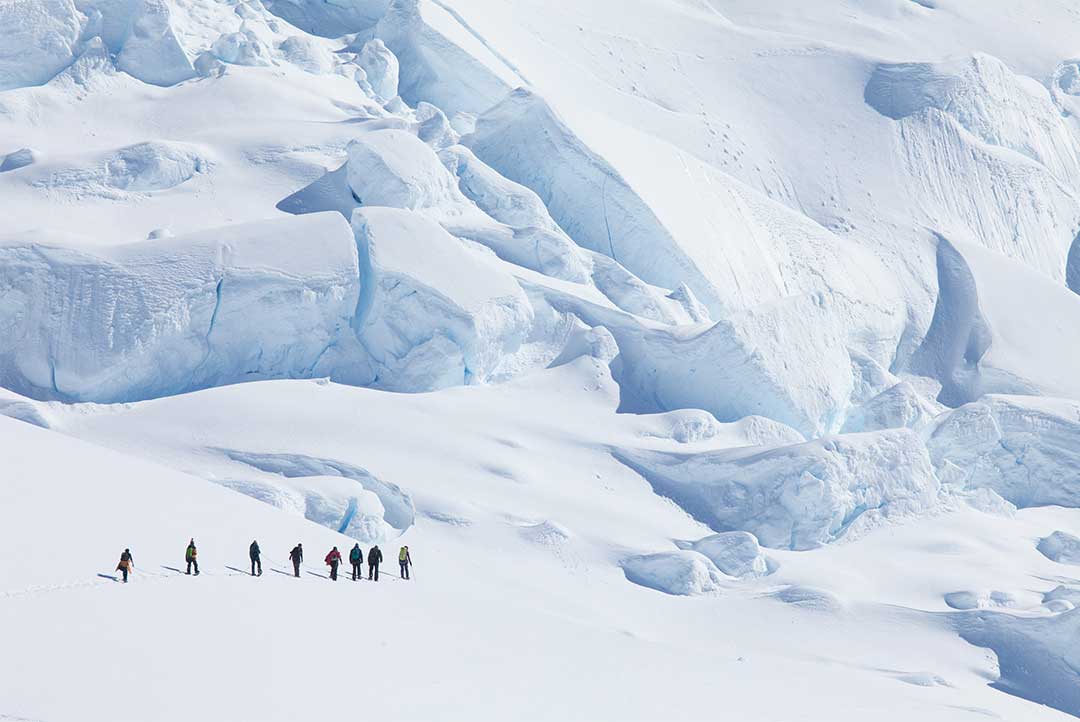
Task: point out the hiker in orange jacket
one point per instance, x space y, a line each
127 563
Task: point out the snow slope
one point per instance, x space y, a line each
695 347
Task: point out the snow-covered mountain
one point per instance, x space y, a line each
716 359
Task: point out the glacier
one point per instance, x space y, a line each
693 348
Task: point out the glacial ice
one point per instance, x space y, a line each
40 40
798 496
1061 547
160 317
381 67
432 313
396 169
735 553
140 168
18 159
682 573
1023 448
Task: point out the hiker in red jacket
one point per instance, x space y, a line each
333 559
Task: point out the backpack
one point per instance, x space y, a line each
403 554
356 555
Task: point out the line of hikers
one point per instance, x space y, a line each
296 556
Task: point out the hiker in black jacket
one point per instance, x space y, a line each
256 557
297 556
374 558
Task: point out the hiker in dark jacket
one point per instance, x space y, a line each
191 557
374 558
356 558
404 561
127 563
296 556
333 559
256 558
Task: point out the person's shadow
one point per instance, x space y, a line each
109 576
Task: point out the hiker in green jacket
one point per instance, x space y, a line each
356 558
190 556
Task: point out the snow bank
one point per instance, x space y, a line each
1037 657
150 49
240 48
682 573
985 154
143 168
437 57
161 317
967 600
329 19
340 496
504 200
381 68
523 139
801 496
18 159
307 54
40 40
688 426
739 366
735 553
981 341
396 169
901 405
1027 449
1060 547
432 312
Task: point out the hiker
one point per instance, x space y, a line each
374 558
190 556
256 558
356 558
404 560
297 556
127 563
333 559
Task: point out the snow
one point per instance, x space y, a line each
695 348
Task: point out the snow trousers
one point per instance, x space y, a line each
193 562
373 572
404 570
296 567
333 571
357 571
256 562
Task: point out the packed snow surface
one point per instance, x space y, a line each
696 349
